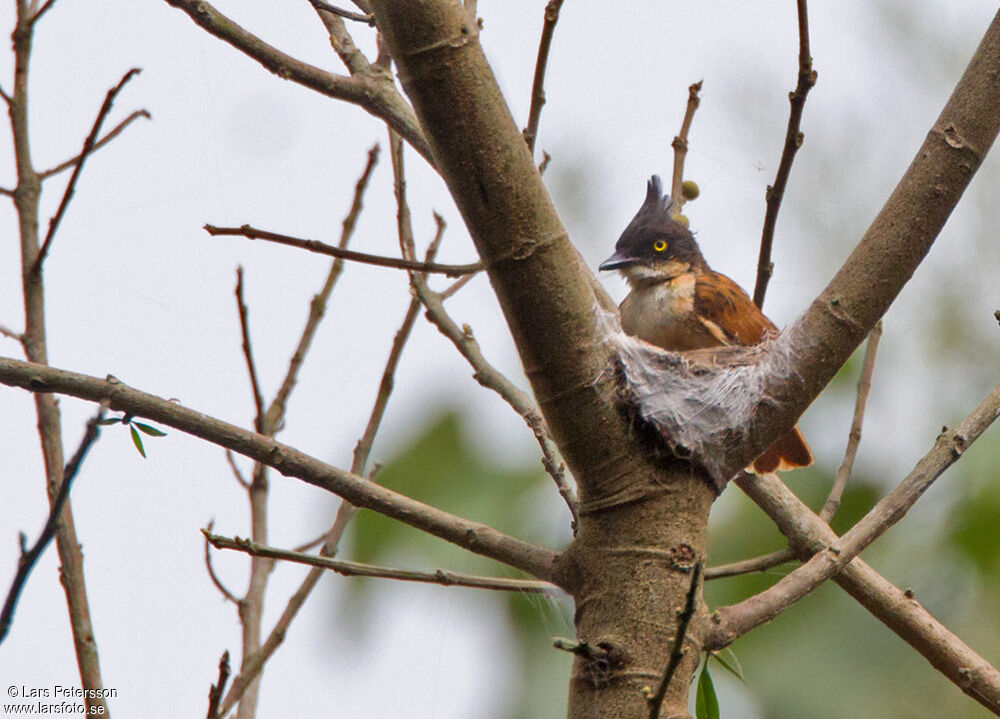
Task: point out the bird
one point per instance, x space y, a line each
678 303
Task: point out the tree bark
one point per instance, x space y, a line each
642 520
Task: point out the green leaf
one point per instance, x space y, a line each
137 441
732 665
110 420
706 705
147 429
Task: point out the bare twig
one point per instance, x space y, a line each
793 141
35 345
680 146
241 307
538 83
759 564
236 470
29 557
253 233
455 286
677 649
317 308
544 164
827 560
374 93
476 537
343 44
359 569
223 589
253 661
215 693
42 10
485 373
897 609
746 566
88 149
112 134
347 14
312 543
16 336
854 438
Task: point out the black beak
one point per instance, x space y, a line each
617 261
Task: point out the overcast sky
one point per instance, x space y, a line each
138 290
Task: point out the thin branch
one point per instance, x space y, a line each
347 14
455 286
16 336
485 373
801 361
317 308
747 566
359 569
312 543
897 609
253 662
253 233
6 96
42 10
375 93
115 132
223 589
677 648
241 307
215 693
793 141
827 561
343 44
854 438
88 149
236 470
35 346
537 85
29 557
478 538
680 146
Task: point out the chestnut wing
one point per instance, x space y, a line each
728 312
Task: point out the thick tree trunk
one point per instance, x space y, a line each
642 524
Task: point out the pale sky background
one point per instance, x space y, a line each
138 290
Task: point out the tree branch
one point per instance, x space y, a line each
112 134
88 149
537 84
258 398
854 437
215 693
677 648
376 95
895 608
793 141
30 557
35 345
223 589
317 308
950 445
746 566
778 380
356 16
253 233
680 147
358 569
473 536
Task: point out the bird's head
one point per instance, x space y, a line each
655 247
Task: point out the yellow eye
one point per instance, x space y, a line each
660 245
